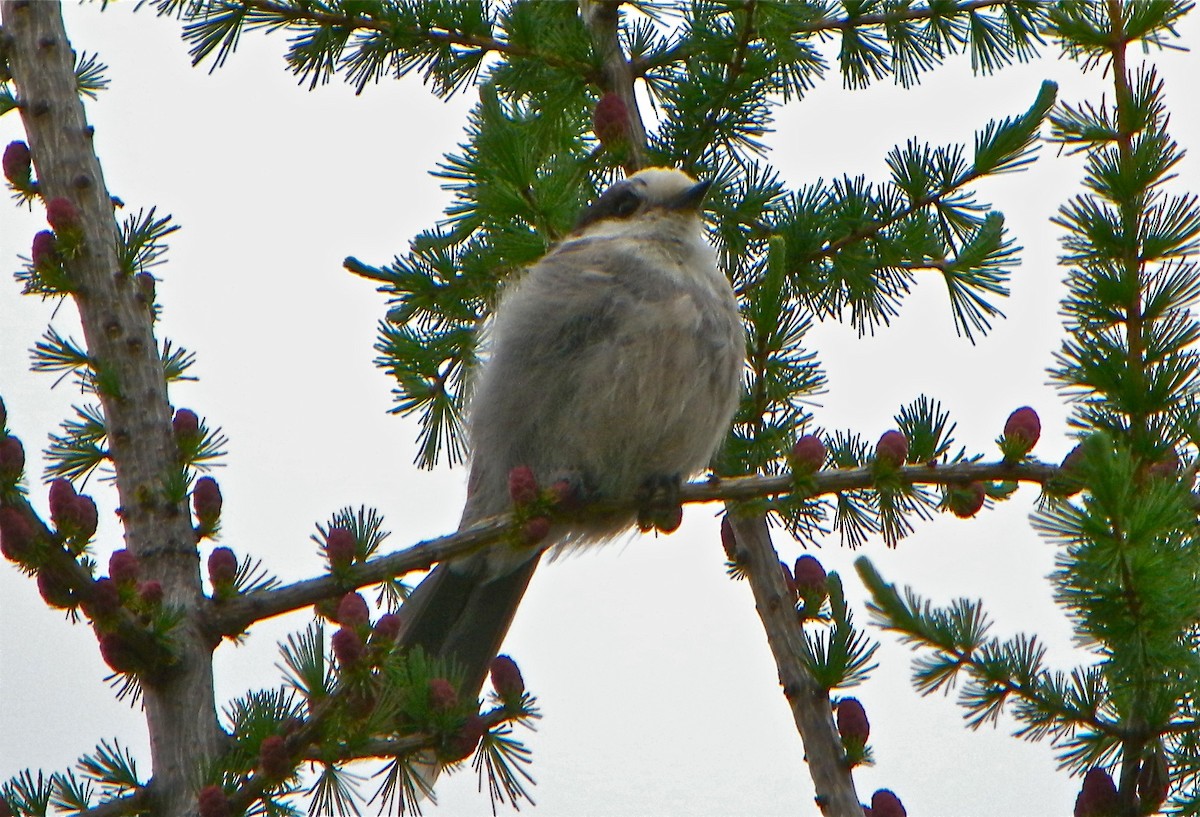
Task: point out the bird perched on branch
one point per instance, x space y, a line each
614 367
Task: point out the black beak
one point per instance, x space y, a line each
690 199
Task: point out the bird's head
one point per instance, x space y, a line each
655 189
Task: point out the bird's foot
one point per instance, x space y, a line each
570 490
658 503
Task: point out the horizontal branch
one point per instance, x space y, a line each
306 746
296 13
683 50
229 617
232 616
986 672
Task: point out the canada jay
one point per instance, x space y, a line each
615 364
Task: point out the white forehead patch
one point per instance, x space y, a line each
661 183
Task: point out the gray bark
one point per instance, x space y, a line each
809 702
118 329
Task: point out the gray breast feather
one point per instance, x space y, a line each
616 371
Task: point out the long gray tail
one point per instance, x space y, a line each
461 614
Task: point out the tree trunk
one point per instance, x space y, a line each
131 386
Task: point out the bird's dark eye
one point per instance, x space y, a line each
621 200
626 203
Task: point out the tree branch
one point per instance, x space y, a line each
299 14
305 744
809 701
136 803
733 71
872 230
1132 210
73 576
602 19
642 66
385 748
232 616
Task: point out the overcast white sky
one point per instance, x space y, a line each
659 693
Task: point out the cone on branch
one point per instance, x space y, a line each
1021 433
213 802
17 164
103 600
207 502
18 542
74 515
461 745
44 254
442 695
123 568
12 461
1097 796
340 548
506 679
118 653
610 122
88 516
352 611
565 494
811 584
63 215
348 647
273 761
522 486
1068 481
884 803
808 455
534 530
386 630
892 449
151 593
185 427
854 729
965 500
222 571
55 590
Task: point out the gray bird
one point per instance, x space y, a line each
615 364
